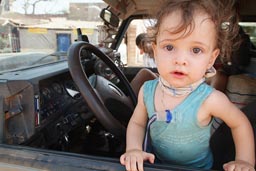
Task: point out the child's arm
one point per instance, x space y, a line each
241 129
134 156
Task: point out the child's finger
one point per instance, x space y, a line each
140 164
133 163
150 157
238 165
127 163
229 167
122 159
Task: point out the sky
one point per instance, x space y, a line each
56 6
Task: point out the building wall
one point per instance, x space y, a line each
35 39
134 57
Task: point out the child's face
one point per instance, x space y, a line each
184 60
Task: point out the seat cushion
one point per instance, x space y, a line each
241 89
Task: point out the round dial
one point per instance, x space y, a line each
57 88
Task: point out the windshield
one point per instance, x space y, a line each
33 32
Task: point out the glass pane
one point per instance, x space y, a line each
131 55
34 32
250 29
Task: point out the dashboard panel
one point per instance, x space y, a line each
40 97
56 96
43 102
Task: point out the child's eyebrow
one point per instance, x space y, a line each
166 40
171 31
201 44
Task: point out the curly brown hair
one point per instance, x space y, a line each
223 13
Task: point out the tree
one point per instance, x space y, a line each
33 3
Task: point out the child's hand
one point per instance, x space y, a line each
133 159
238 165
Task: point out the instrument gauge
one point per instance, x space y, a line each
46 93
57 88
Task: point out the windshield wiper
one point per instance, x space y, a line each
61 56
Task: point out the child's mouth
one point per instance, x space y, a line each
178 74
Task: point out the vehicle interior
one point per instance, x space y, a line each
76 110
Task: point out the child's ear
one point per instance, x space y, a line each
214 56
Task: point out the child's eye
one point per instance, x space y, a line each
169 47
197 50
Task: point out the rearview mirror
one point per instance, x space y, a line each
109 18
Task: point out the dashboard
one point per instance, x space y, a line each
56 95
43 102
42 97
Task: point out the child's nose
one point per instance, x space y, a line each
180 59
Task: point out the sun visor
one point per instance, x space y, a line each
122 8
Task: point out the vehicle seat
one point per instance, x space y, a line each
218 81
143 75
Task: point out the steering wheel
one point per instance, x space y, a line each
98 91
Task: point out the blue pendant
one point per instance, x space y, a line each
168 116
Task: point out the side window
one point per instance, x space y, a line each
250 29
130 53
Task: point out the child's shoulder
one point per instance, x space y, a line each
151 82
217 98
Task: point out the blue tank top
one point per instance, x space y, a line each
181 141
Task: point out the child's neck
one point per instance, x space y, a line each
178 92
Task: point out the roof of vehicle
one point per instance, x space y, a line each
127 8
